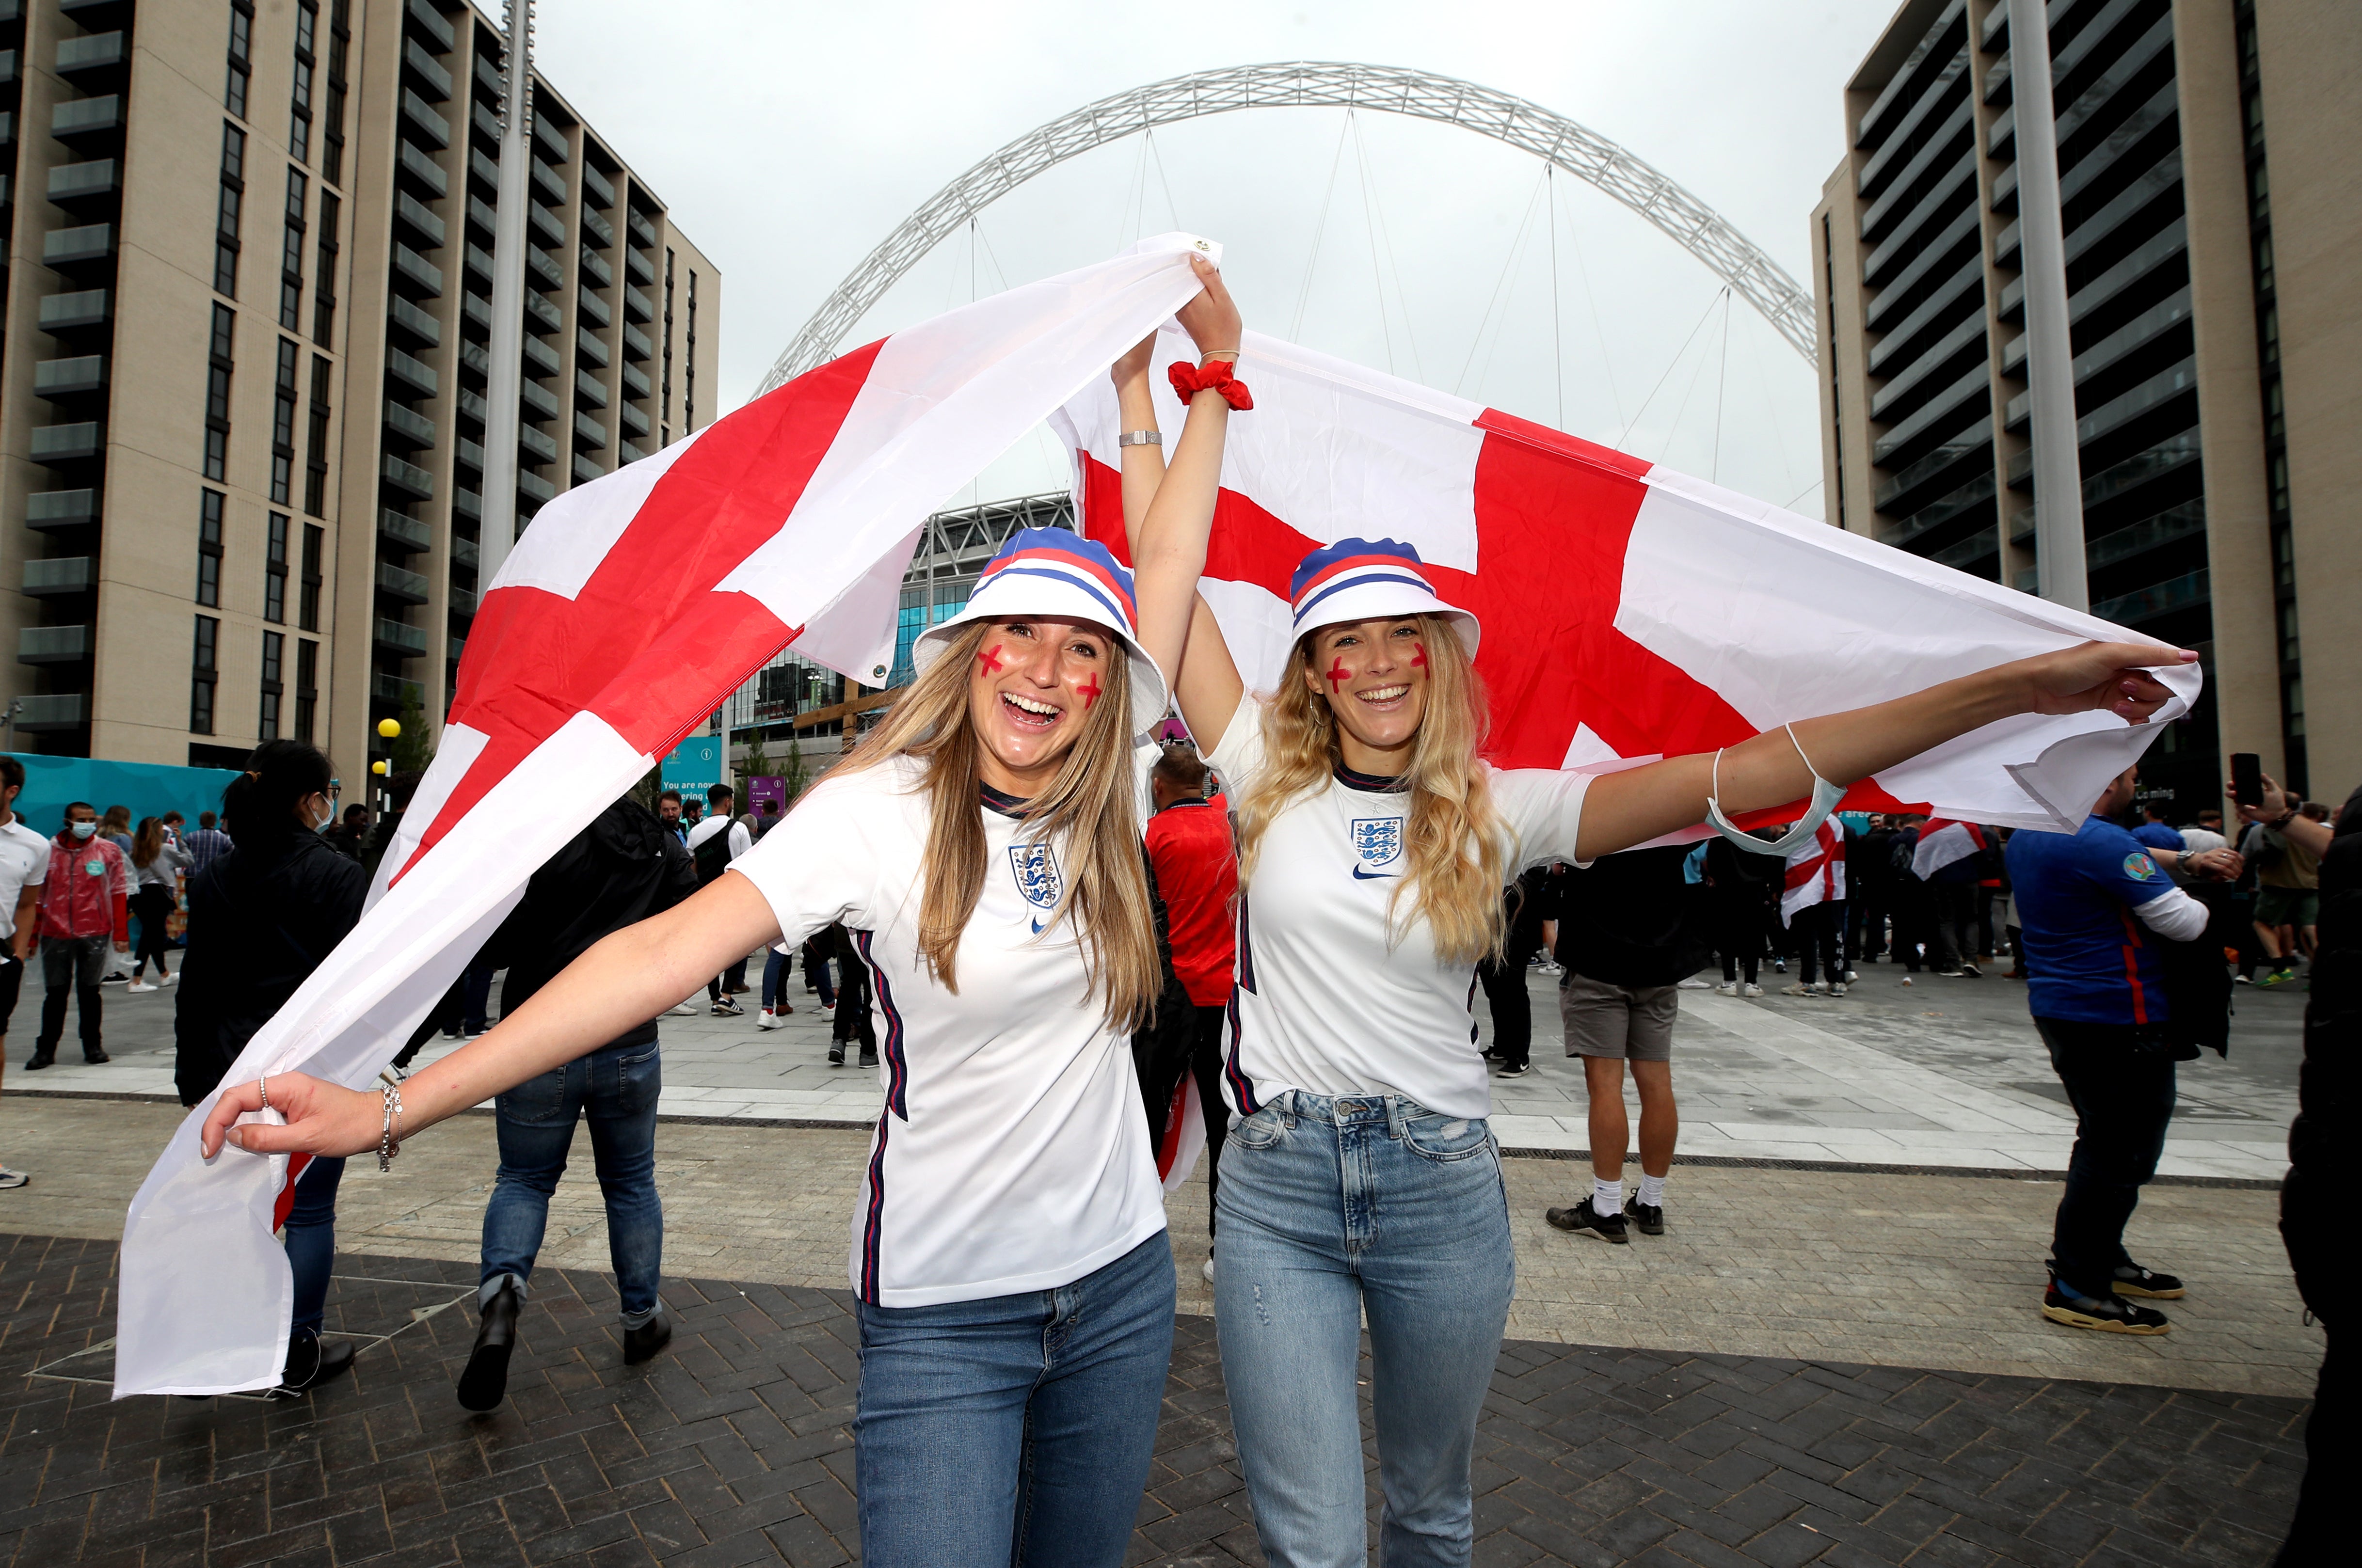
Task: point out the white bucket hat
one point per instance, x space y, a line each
1369 579
1049 571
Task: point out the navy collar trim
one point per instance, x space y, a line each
1177 805
1371 783
1000 802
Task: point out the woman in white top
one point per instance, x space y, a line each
157 861
1014 1281
1362 1179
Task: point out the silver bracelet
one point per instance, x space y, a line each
1141 439
387 1145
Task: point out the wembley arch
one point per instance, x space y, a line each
1580 151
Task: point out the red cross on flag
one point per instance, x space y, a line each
1942 842
629 611
1815 873
1629 613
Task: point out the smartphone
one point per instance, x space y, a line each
2247 779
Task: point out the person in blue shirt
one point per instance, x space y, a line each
2155 832
2092 906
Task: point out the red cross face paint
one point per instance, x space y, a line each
1418 659
1090 690
1338 676
989 661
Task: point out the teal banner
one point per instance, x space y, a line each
149 789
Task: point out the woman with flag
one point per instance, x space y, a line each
983 847
1361 1177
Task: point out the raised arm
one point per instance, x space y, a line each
622 981
1632 807
1169 541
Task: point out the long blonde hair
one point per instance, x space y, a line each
1090 808
1457 842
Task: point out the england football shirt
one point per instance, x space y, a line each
1338 989
1011 1154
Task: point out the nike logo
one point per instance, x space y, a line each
1037 928
1361 876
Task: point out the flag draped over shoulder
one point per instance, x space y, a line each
1816 874
626 614
1942 842
1630 612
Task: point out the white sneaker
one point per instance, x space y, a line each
1750 990
137 986
1837 989
686 1010
767 1019
17 1178
828 1010
1798 988
1208 1270
1728 988
169 979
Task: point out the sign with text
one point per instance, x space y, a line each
774 790
694 766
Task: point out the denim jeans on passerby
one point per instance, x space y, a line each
71 968
309 1235
615 1089
775 975
1014 1430
1333 1208
2119 1079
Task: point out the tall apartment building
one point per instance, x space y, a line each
243 360
2212 202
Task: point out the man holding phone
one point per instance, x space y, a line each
24 864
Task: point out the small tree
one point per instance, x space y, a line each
757 766
413 748
793 774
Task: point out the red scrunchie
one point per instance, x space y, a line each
1215 375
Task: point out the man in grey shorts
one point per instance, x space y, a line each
1625 941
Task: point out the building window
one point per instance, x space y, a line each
233 193
275 571
203 672
688 364
315 456
299 111
283 425
307 614
209 547
274 651
664 399
291 254
332 137
307 687
218 395
241 62
323 267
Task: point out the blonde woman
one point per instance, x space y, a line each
983 847
1361 1179
157 862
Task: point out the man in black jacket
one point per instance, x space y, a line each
618 871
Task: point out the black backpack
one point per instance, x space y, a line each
713 856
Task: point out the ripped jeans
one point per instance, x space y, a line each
1333 1208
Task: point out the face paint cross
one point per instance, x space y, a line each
1091 693
989 660
1338 676
1418 659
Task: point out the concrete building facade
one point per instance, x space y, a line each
243 361
2210 193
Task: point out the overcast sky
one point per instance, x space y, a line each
789 139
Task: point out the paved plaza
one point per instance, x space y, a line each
1832 1355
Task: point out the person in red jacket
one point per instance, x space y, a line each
1197 874
86 899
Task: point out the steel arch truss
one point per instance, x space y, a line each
1421 95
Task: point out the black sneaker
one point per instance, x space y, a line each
1971 972
868 1058
38 1060
1520 1071
836 1053
726 1008
311 1361
484 1382
2134 1280
1649 1217
2109 1314
96 1058
1583 1217
644 1341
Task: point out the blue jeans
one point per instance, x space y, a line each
616 1087
1333 1208
1015 1430
310 1234
775 970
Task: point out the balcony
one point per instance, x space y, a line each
71 312
637 306
633 419
394 690
407 478
73 119
424 224
590 433
642 229
88 56
431 75
53 644
51 711
596 190
462 602
453 649
544 221
548 144
79 187
546 181
488 125
467 504
49 510
636 381
636 344
404 532
536 488
593 308
477 309
416 373
470 456
479 262
432 24
535 441
484 216
538 398
464 552
595 271
416 322
430 125
400 640
643 272
423 171
537 262
59 444
588 347
61 577
538 309
590 390
422 277
401 584
628 453
477 357
540 358
484 169
78 377
410 425
64 249
586 469
596 228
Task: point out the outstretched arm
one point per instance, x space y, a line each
622 982
1168 540
1621 809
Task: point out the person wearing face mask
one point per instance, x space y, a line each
86 900
260 919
